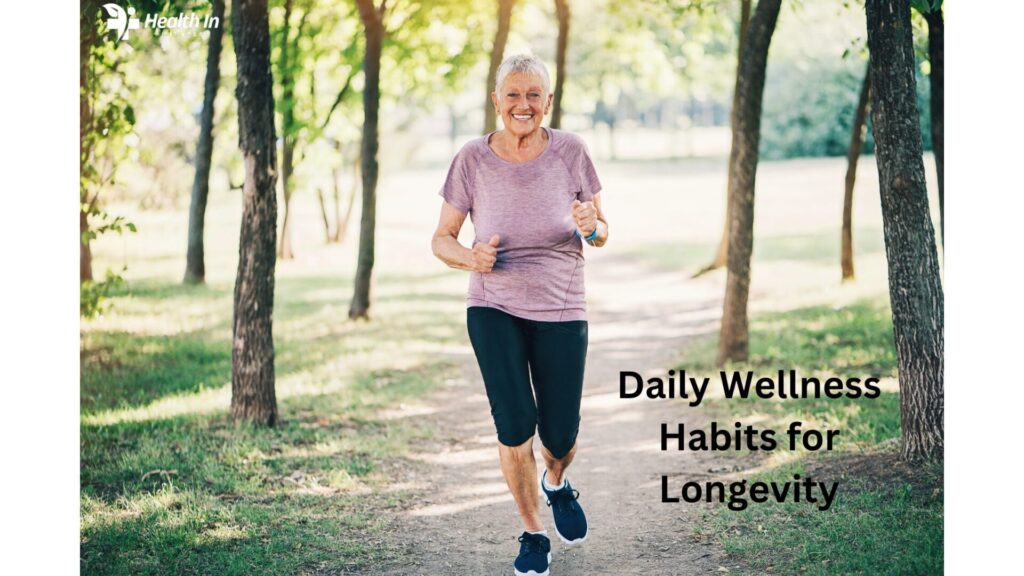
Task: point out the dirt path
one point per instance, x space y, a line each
466 522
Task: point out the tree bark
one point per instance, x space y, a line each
195 262
284 249
497 54
935 55
852 157
722 253
252 353
336 189
341 221
562 10
335 235
373 23
87 37
85 251
733 339
323 215
915 290
357 179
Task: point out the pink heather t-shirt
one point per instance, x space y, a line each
539 271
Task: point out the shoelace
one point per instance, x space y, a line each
562 500
533 543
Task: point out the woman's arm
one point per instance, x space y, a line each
445 244
588 217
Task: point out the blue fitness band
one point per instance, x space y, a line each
592 236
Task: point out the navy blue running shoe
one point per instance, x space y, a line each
534 555
570 521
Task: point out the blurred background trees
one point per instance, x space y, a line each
663 69
195 261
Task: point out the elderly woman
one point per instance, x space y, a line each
534 198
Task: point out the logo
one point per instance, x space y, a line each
122 22
119 21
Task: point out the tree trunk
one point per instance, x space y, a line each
935 55
195 262
722 253
373 23
915 290
357 173
252 353
87 37
852 156
284 249
323 215
85 251
497 54
732 342
341 221
562 9
336 188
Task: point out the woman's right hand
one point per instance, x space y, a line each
485 254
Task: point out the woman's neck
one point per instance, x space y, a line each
519 149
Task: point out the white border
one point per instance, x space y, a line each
985 216
40 291
983 289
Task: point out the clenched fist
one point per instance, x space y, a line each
484 255
585 216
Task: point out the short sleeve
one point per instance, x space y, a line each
590 185
457 189
576 158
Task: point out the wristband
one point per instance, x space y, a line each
592 235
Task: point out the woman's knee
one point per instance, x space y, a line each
559 443
518 449
515 427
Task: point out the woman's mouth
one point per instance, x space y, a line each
522 116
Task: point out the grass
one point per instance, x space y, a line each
816 248
170 485
199 496
887 517
894 529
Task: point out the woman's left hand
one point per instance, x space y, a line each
585 216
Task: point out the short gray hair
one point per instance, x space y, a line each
526 64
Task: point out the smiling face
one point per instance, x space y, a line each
522 103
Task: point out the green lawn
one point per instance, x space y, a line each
888 516
169 485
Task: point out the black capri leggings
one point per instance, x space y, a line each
510 350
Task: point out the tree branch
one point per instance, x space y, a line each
341 94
